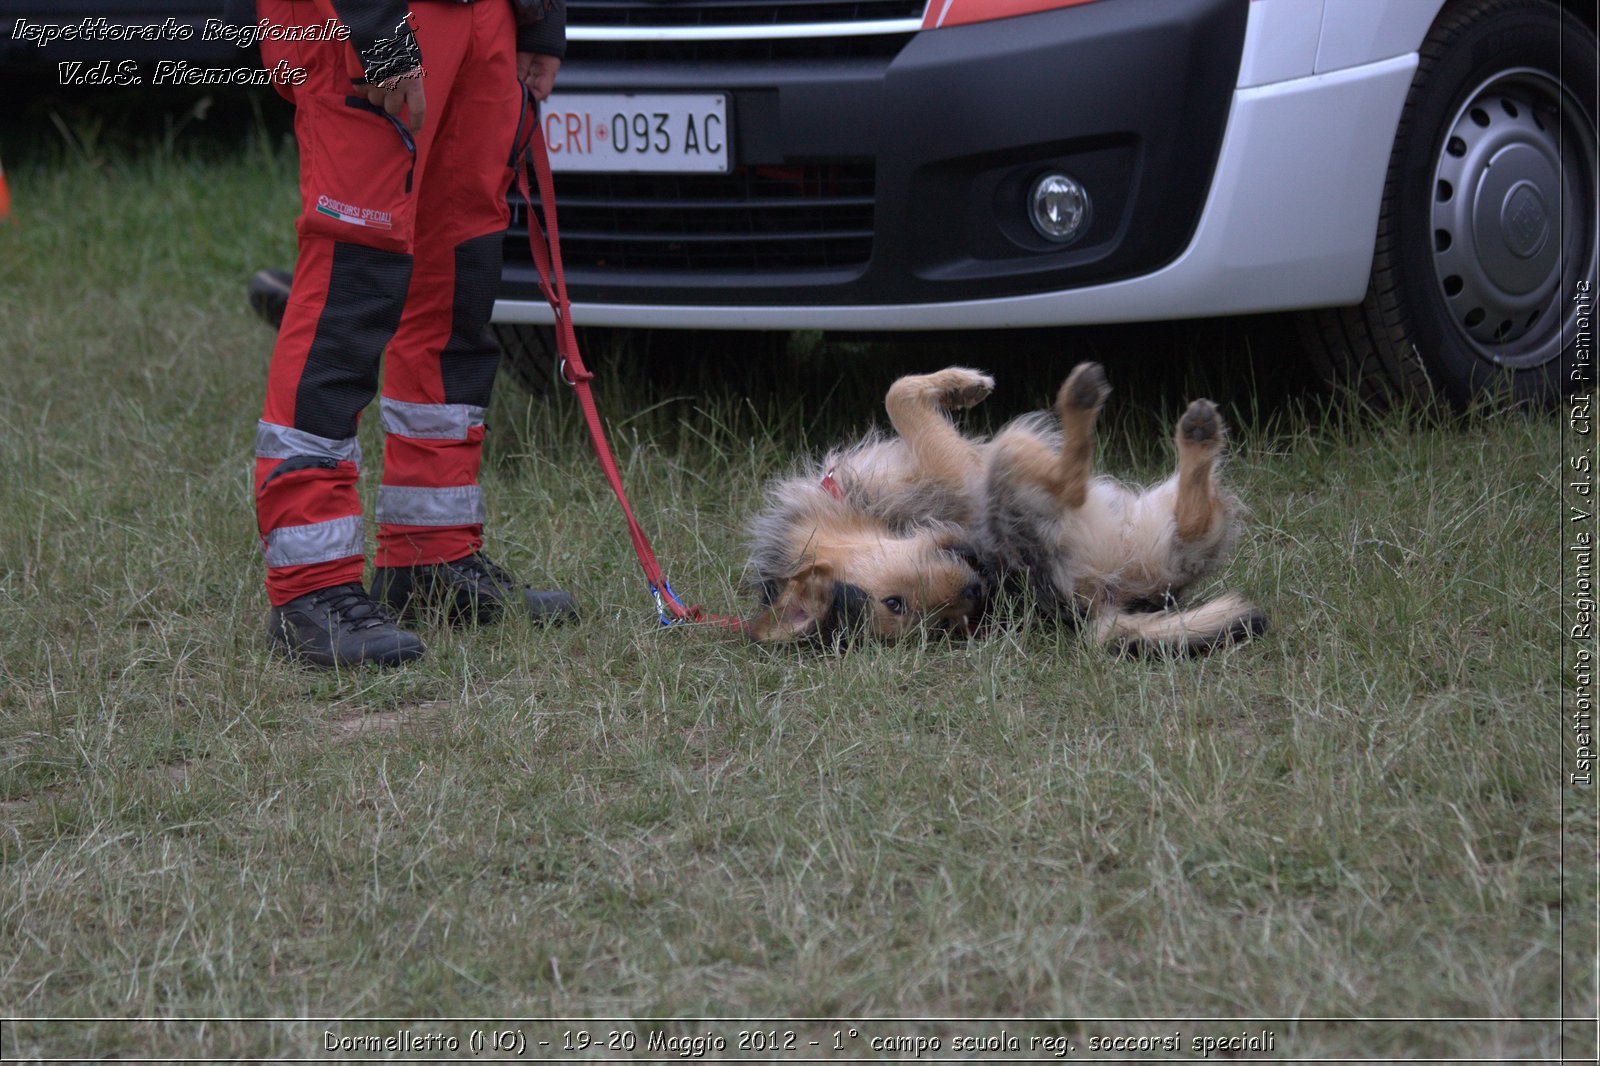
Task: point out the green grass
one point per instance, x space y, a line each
1360 816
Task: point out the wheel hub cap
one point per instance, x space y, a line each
1510 220
1525 220
1501 243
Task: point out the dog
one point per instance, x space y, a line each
1092 548
920 530
878 537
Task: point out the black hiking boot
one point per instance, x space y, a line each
340 626
472 590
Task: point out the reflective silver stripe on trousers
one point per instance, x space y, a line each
319 542
429 421
407 505
282 442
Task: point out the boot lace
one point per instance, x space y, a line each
351 605
481 571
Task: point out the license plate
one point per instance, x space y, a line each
651 133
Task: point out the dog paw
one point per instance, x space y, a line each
1085 389
962 388
1201 425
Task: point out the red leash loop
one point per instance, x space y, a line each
545 242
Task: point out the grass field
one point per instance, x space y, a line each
1339 835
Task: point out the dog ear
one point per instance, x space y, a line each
799 607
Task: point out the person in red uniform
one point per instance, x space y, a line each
407 132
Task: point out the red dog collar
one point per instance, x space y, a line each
830 486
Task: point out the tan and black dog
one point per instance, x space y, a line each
1092 547
896 534
877 536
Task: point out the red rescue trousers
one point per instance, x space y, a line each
399 253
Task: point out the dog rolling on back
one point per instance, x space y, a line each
1092 548
912 532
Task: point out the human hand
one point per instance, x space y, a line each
538 72
402 92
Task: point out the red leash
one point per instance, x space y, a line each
546 244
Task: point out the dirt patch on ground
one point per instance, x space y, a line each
356 725
386 721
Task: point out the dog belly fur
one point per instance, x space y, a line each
1120 548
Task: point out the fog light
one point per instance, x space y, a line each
1058 206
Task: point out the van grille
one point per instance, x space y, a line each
754 218
878 46
645 13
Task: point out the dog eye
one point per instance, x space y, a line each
895 604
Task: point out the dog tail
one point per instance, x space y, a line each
1228 619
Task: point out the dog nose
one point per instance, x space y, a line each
976 592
